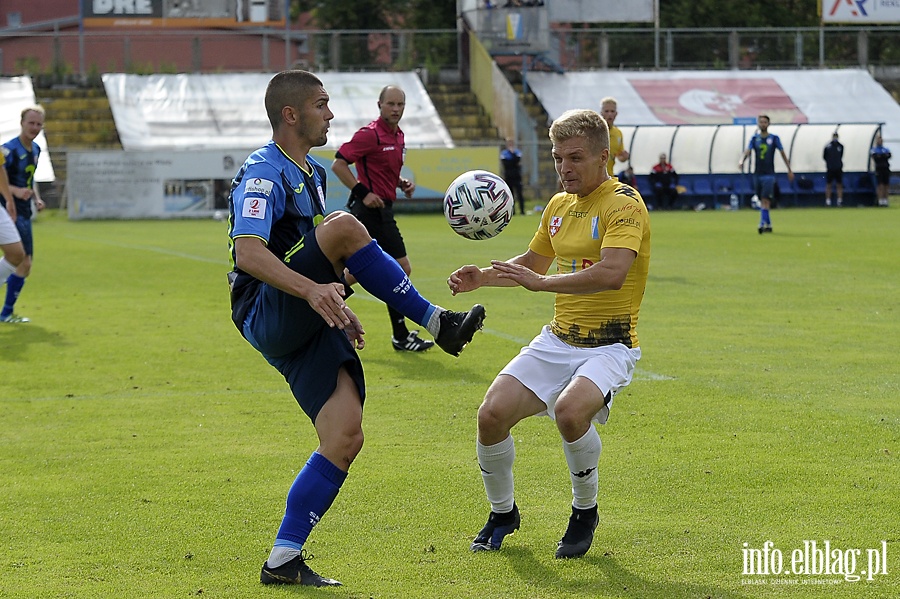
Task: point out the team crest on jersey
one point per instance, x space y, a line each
555 224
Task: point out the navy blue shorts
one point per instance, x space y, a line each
765 186
23 225
294 339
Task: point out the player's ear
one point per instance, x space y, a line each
289 115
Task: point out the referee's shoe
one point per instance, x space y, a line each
412 342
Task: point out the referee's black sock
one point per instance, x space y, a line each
398 324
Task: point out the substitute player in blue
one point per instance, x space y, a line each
20 161
764 145
288 301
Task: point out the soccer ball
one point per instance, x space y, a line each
478 205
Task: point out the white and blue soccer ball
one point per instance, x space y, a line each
478 204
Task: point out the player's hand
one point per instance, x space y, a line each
407 187
354 330
25 193
372 201
40 204
328 301
466 278
522 275
11 208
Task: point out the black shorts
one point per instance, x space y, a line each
834 177
380 224
883 176
294 339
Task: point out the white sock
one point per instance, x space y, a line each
6 269
433 325
583 458
281 555
496 463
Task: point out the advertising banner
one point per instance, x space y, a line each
860 11
184 14
118 184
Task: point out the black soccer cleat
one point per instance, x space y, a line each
579 534
412 342
498 526
458 328
295 571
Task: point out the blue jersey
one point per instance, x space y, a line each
765 147
20 165
276 200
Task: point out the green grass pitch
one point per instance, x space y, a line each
146 450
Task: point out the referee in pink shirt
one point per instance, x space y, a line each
378 150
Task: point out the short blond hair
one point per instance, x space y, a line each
587 124
35 108
609 100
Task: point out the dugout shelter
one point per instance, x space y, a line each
706 158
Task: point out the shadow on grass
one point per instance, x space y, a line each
15 339
602 575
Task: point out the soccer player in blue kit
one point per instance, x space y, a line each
20 156
764 145
288 301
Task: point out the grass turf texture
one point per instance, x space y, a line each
147 450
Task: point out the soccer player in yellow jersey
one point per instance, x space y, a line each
609 111
597 231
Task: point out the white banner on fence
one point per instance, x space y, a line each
227 110
17 93
860 11
719 97
152 184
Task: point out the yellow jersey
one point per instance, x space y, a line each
574 230
616 145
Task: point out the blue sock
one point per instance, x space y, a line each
380 275
310 496
764 217
14 285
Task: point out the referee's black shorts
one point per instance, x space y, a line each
380 224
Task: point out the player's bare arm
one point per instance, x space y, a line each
607 274
787 163
326 299
470 277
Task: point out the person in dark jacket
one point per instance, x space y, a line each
664 180
834 169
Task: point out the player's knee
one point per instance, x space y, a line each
14 253
340 234
570 417
490 421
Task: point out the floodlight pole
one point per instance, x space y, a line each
656 34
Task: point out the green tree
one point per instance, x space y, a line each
738 13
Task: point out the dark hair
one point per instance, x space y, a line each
288 88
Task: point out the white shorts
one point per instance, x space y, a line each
8 232
547 366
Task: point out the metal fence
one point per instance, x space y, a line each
68 53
